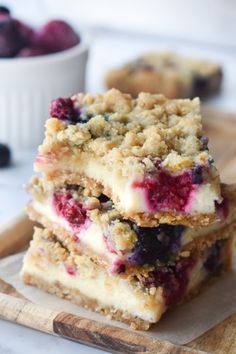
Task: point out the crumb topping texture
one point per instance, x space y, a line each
131 134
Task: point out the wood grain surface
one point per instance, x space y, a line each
221 129
84 330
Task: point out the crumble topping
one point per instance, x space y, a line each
173 62
131 132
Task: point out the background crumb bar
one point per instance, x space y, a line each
169 74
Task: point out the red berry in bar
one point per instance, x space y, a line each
63 109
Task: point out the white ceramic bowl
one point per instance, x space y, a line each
27 85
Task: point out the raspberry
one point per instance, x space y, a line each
63 109
69 208
166 191
56 36
71 270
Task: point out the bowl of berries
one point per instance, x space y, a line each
36 65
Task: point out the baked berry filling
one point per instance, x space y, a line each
165 191
173 279
64 109
71 270
213 263
157 245
70 209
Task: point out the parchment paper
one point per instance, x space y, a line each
179 326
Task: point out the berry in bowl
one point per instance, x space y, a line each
36 65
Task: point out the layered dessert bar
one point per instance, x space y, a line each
148 155
134 219
90 225
88 254
139 298
167 73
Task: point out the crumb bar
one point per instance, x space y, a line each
167 73
140 299
148 155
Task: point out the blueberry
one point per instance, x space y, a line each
141 64
197 177
103 198
11 40
85 116
5 155
211 161
106 116
204 141
4 10
201 85
156 245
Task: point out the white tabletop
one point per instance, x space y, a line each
108 49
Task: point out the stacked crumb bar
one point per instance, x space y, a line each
133 217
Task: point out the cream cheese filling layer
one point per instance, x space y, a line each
96 284
127 198
109 291
91 237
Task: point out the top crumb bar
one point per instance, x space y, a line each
148 155
169 74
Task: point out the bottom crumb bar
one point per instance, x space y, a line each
139 299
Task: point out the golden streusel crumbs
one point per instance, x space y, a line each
125 132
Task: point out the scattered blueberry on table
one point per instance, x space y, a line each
5 155
17 39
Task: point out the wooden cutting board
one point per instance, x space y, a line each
221 129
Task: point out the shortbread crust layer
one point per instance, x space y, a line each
136 300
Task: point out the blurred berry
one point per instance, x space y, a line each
56 36
5 155
4 11
26 32
11 40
